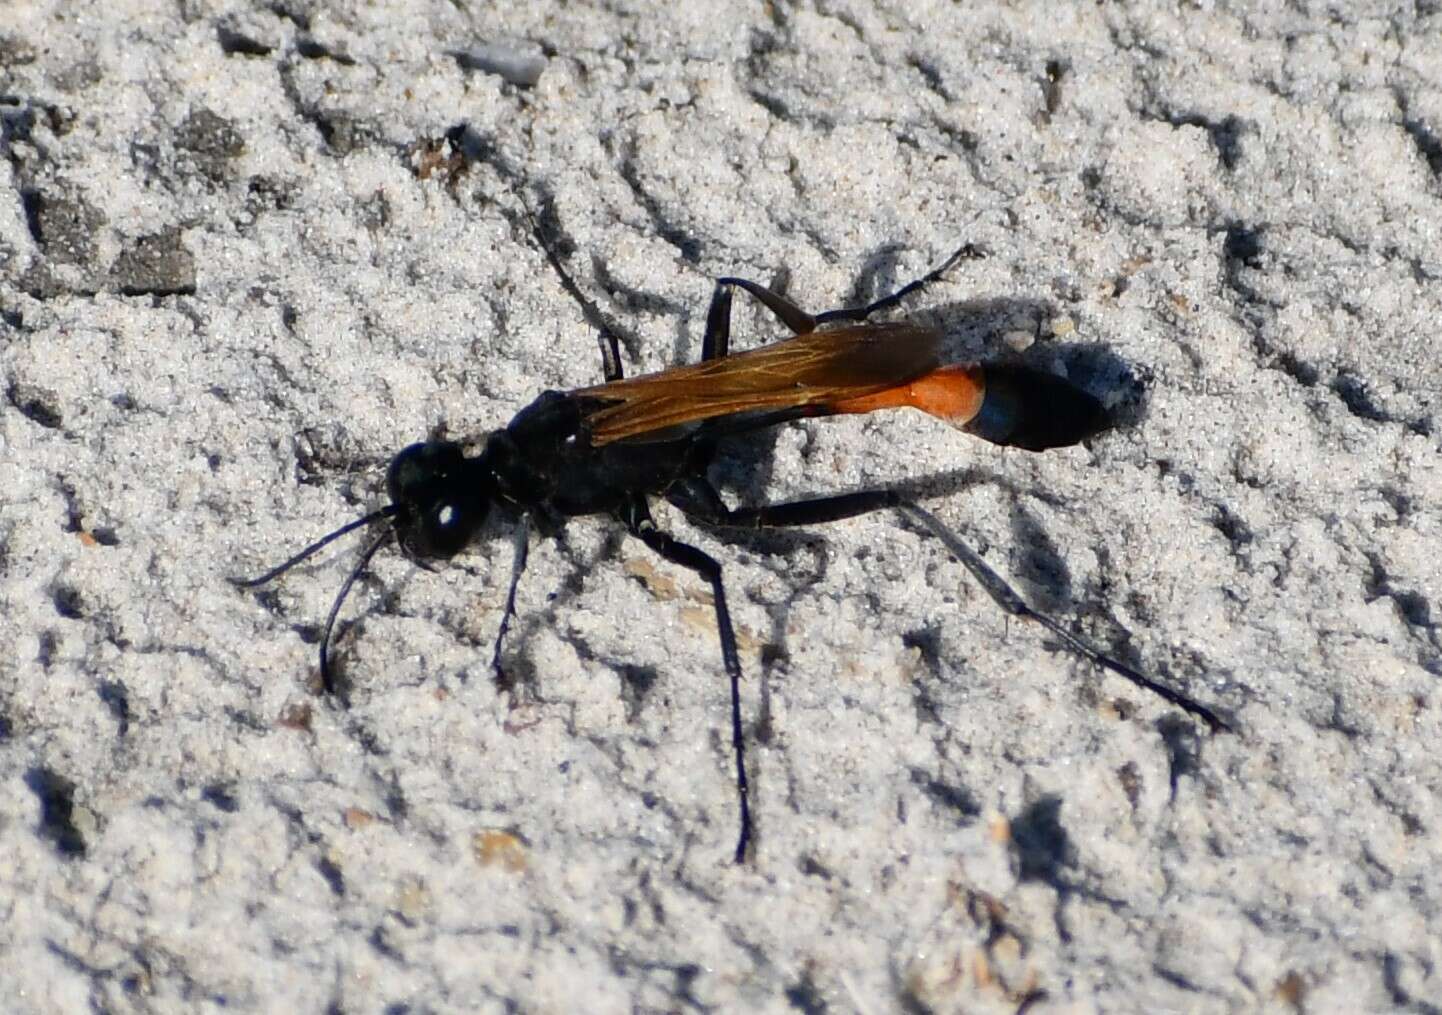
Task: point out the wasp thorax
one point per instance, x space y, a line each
439 499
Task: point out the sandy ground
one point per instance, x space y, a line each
249 251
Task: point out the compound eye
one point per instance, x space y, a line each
439 497
445 529
421 470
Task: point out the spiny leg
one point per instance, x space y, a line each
716 342
518 566
700 501
966 250
611 369
1009 600
637 518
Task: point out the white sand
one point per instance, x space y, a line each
1226 226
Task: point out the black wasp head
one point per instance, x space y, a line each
440 498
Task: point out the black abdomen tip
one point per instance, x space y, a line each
1031 409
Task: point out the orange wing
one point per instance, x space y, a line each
822 370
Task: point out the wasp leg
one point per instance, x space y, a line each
700 501
717 339
518 567
967 251
637 519
611 369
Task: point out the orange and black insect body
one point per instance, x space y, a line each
609 449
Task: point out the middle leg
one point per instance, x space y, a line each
637 519
518 567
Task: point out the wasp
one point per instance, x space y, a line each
612 448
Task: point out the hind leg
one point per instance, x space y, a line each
717 340
701 503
